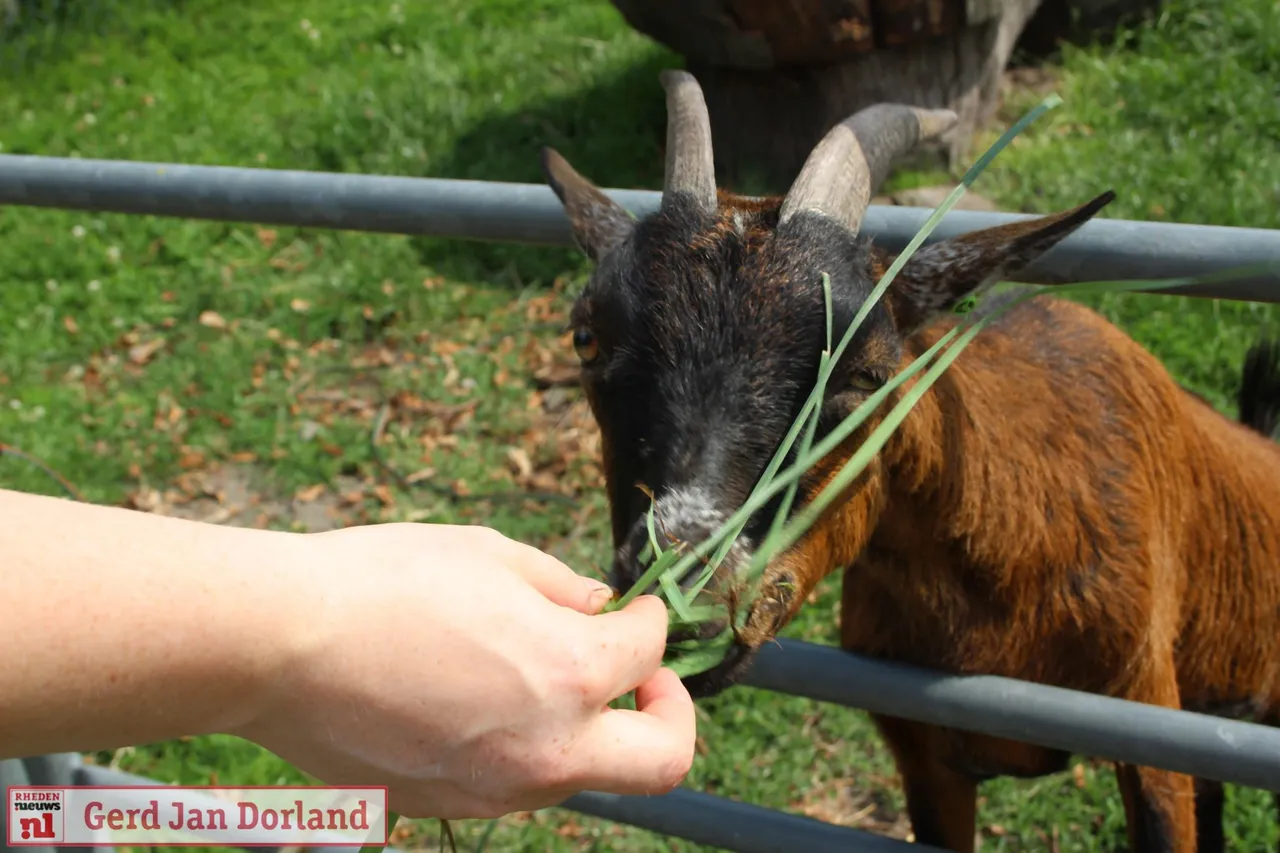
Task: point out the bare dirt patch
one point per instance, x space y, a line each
241 495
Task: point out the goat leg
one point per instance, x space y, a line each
1210 802
1160 809
1160 806
941 802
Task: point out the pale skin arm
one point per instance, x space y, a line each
462 669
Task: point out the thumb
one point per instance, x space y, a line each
559 583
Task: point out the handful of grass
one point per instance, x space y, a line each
668 568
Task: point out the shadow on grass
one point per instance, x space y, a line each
1062 22
39 32
613 132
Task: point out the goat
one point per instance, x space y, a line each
1055 509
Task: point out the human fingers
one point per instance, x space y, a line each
626 649
647 751
559 583
665 696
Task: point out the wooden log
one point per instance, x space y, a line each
777 74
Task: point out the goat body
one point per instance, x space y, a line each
1055 508
1058 510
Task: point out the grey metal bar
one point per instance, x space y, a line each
1082 723
730 825
529 213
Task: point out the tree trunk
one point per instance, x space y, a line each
777 74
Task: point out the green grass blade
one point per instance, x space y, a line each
820 389
698 614
651 575
675 598
1050 102
939 212
669 585
830 312
703 656
806 443
863 456
653 534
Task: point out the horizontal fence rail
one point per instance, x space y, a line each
743 828
1102 249
1080 723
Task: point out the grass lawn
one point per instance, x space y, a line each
290 377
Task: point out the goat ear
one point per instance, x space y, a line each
597 221
940 275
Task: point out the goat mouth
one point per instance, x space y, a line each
728 673
765 619
702 632
724 674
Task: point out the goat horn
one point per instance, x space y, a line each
853 159
690 166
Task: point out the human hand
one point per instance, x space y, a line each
471 674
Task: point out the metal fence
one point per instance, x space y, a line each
1081 723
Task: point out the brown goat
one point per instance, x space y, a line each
1056 508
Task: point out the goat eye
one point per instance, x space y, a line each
866 382
585 344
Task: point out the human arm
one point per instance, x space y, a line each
453 664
